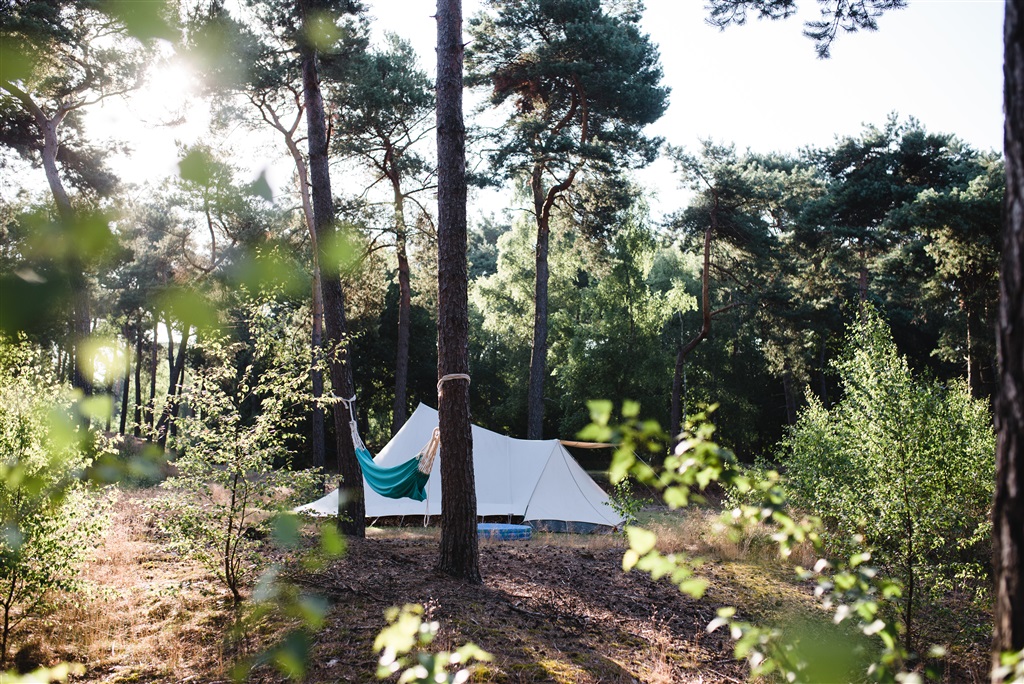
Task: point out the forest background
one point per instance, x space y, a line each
809 234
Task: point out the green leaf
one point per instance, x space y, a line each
340 252
286 529
197 166
261 187
98 407
322 31
640 540
15 65
270 271
600 411
630 409
629 559
291 656
313 611
189 306
677 497
332 543
694 587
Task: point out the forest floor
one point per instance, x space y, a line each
557 608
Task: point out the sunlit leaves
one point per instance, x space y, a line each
84 239
50 521
270 269
45 675
189 306
342 252
198 166
403 647
905 460
102 359
322 30
231 446
851 588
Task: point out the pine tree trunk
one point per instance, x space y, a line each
675 428
459 554
400 413
789 395
153 352
316 374
676 411
539 352
1008 507
137 430
82 326
165 425
125 385
351 507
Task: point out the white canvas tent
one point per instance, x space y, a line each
536 479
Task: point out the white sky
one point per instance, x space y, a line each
760 86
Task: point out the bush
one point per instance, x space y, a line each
51 522
230 479
906 462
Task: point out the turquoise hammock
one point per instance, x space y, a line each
405 480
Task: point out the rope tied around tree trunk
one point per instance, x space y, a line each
429 452
451 376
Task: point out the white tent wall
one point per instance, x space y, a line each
535 480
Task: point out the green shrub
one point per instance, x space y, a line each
906 462
232 475
625 501
50 521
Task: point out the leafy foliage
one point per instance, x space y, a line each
51 521
232 473
908 463
625 501
403 644
851 589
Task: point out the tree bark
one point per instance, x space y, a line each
539 352
316 373
351 507
137 430
164 426
316 376
1008 506
154 350
400 412
125 384
459 554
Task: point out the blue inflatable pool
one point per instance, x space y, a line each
500 531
